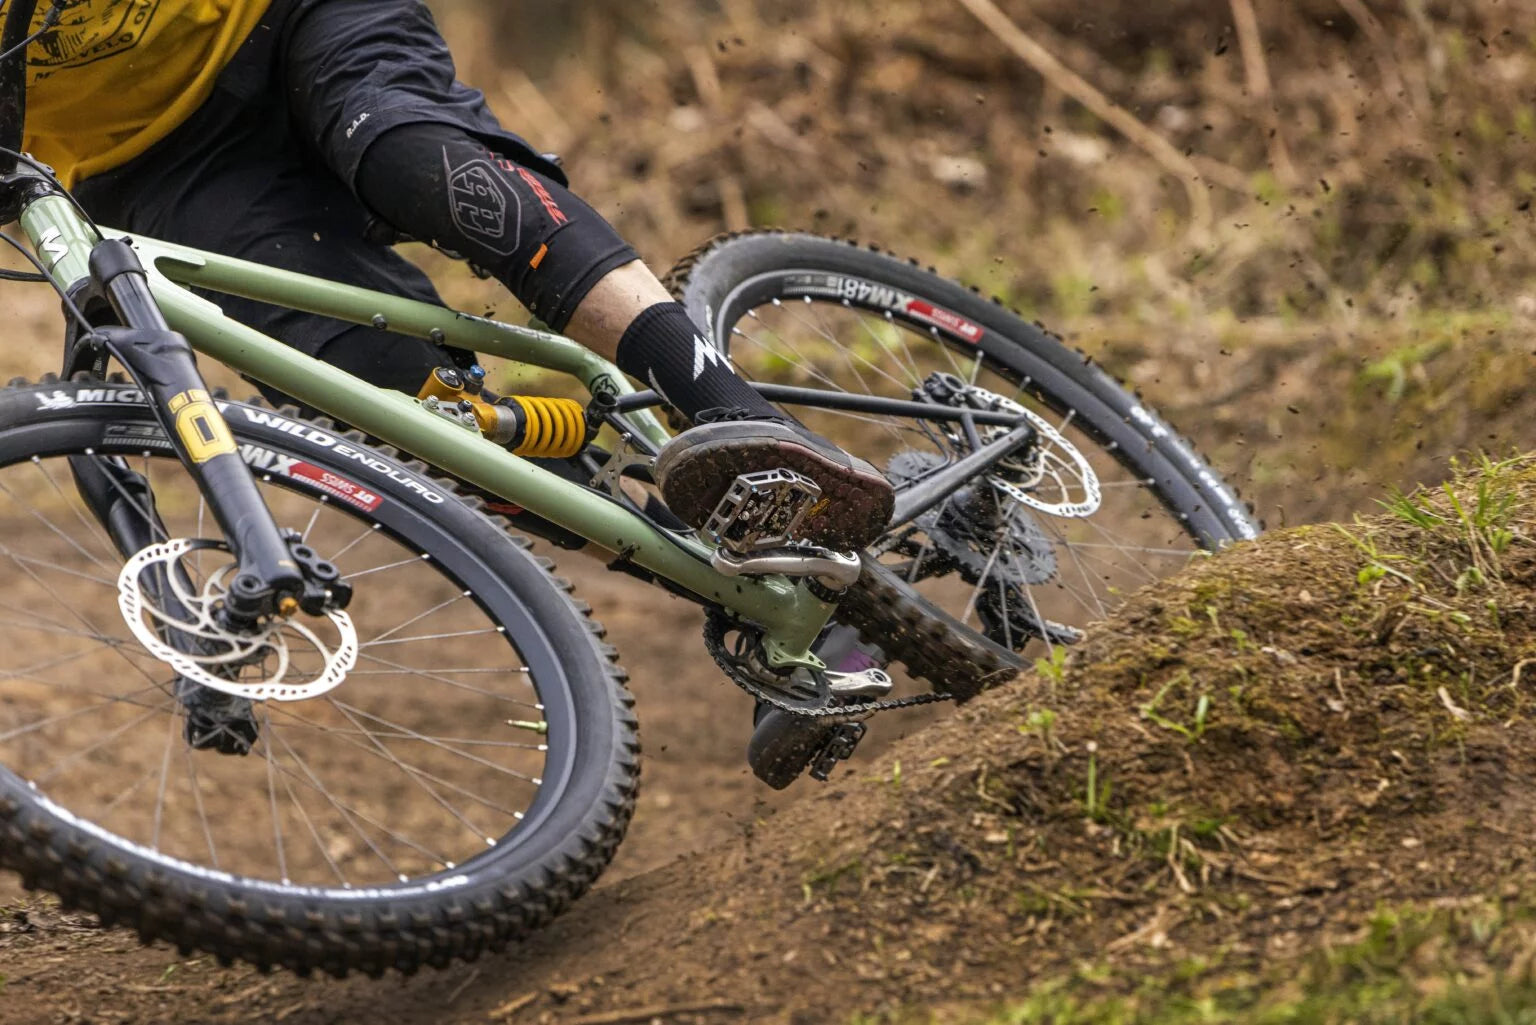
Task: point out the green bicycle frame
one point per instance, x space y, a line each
788 612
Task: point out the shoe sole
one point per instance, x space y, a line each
855 506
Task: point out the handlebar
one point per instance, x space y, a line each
13 79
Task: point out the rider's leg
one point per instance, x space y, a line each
371 88
569 266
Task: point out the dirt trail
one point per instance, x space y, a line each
1243 765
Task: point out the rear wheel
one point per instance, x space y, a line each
1109 499
466 779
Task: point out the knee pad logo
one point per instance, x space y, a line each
483 205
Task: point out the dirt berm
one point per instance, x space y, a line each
1295 783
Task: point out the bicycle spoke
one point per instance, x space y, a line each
406 768
277 825
165 769
439 744
202 814
435 678
427 637
73 504
412 774
416 618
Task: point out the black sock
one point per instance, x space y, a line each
663 348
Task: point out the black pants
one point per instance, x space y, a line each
266 169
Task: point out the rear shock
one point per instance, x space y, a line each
536 426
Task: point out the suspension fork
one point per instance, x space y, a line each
123 503
272 578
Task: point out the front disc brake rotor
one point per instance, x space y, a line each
281 660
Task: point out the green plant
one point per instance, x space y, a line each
1195 728
1096 793
1378 563
1053 667
1039 722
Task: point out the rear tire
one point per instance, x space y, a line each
771 301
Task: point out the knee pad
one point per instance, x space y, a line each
442 185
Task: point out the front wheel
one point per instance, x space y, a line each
1110 497
469 776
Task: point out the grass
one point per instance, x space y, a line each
1463 966
1478 510
1192 730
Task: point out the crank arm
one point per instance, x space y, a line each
834 570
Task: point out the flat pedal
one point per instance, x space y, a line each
762 510
838 748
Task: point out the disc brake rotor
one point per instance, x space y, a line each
258 665
1057 480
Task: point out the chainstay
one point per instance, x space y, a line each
716 624
956 661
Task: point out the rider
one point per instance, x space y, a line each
305 134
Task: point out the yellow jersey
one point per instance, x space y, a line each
114 77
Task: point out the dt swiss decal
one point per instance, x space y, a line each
869 294
940 317
338 487
267 462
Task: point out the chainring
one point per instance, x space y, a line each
808 699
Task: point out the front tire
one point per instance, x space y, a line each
471 777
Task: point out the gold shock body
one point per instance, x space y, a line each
529 425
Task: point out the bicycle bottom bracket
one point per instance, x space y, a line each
171 595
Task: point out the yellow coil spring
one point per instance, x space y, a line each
556 429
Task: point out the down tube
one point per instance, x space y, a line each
788 610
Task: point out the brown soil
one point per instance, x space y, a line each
1340 328
1241 764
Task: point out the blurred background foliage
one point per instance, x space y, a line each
1383 155
1308 236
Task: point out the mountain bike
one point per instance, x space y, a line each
296 689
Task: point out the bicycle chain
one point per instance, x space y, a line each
716 624
920 637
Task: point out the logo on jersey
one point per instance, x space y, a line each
93 31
